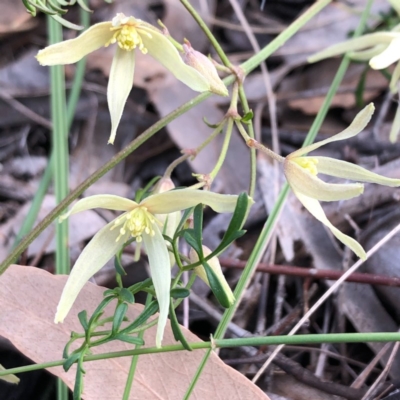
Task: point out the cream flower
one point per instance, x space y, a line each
301 173
381 49
128 33
139 221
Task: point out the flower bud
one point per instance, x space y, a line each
216 267
207 69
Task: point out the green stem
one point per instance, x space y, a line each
60 147
283 37
61 166
134 362
253 160
224 149
316 339
207 31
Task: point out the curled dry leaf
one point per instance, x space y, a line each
29 298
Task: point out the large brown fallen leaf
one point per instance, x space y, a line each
28 298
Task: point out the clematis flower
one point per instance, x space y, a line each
301 173
381 49
128 33
140 221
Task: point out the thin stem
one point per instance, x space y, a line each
253 160
224 150
60 147
283 37
207 31
253 144
135 359
226 343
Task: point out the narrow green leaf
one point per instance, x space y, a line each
234 230
180 293
190 237
247 117
119 316
137 287
184 218
176 329
216 286
129 339
83 320
126 295
99 310
150 310
71 360
118 265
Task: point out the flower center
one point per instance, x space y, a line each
136 222
126 33
308 163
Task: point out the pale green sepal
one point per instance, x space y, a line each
346 170
71 51
164 51
388 56
10 378
119 86
94 256
161 274
366 55
359 123
317 211
109 201
395 79
301 180
176 200
359 43
395 129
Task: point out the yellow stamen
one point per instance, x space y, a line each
136 222
308 163
127 37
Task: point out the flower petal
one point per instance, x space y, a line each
160 269
359 123
71 51
366 55
346 170
359 43
165 52
108 201
302 181
177 200
98 252
390 55
119 86
317 211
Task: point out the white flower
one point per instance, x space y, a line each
301 173
129 33
140 221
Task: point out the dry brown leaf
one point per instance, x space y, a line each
316 79
29 297
14 17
